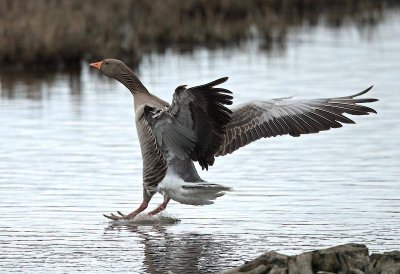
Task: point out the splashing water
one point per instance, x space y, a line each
146 219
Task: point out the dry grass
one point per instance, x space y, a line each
63 32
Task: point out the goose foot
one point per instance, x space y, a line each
129 216
115 217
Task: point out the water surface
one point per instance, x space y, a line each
69 152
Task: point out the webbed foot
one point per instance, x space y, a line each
114 217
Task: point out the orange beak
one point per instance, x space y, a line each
96 65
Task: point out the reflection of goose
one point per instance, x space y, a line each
183 252
198 126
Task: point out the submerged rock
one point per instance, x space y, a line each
349 258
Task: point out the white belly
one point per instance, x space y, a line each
171 186
190 193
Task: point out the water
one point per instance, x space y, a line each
69 153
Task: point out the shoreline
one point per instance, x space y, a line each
60 34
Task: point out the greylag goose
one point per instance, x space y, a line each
198 126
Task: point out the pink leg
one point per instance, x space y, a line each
131 215
161 207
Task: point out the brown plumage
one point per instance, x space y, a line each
198 126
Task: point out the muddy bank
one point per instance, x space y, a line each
47 33
348 258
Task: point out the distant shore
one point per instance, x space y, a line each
59 34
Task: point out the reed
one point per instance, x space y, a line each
62 33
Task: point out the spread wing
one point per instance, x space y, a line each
254 120
194 124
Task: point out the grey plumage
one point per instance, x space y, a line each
194 124
178 132
261 119
198 126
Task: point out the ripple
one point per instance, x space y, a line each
66 160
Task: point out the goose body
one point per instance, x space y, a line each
199 126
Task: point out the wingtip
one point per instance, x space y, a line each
372 99
368 89
219 81
363 92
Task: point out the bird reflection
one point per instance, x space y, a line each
182 252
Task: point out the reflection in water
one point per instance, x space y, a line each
121 28
181 253
37 85
73 155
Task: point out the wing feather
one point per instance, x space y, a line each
262 119
194 125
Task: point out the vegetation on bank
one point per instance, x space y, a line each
60 33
